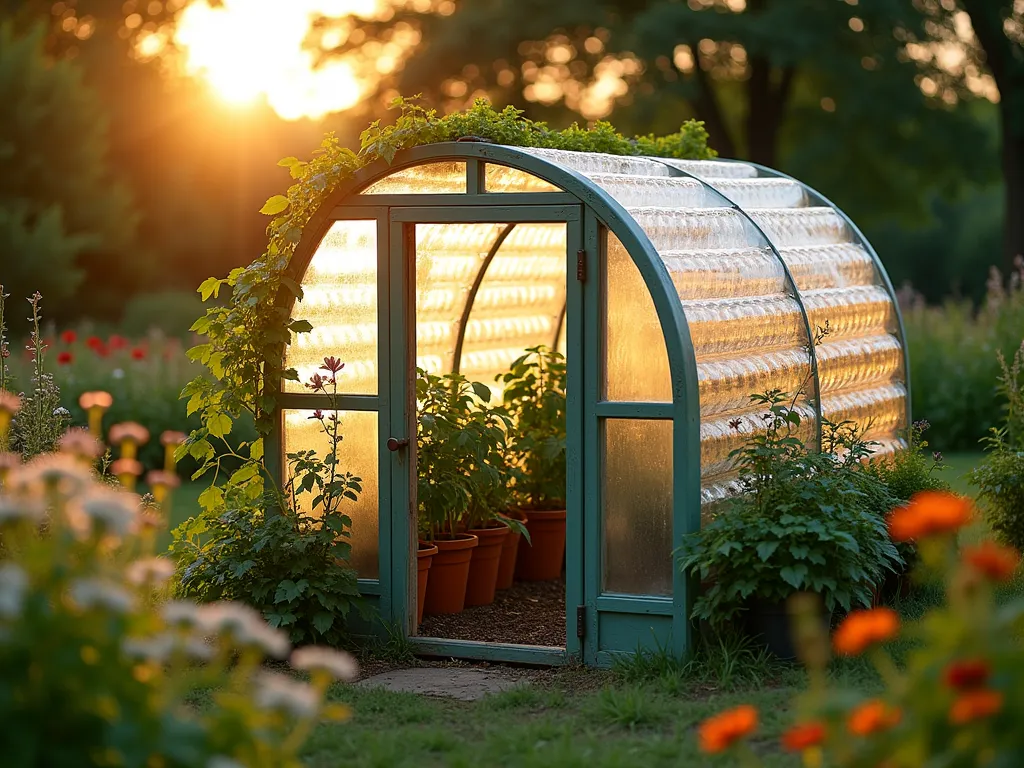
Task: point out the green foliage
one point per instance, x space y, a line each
286 564
534 395
41 420
1000 479
807 522
66 225
461 450
97 667
289 563
905 473
953 361
169 312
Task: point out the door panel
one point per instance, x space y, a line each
405 225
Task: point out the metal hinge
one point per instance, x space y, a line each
581 621
581 266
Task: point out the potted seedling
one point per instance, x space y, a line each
534 396
449 453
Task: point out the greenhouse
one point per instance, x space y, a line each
674 289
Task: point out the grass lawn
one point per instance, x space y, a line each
641 714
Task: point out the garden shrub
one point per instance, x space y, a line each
285 551
956 701
1000 478
806 522
953 365
98 668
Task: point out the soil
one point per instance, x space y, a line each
528 613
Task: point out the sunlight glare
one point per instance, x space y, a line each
248 49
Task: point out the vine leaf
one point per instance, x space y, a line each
275 205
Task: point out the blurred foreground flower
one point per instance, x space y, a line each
862 629
993 561
95 405
129 435
930 513
720 732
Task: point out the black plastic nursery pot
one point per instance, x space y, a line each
770 623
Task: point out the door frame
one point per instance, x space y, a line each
402 515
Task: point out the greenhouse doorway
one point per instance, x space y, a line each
479 288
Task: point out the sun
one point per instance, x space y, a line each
248 50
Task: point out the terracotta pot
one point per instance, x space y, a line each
509 550
424 557
449 574
483 568
541 558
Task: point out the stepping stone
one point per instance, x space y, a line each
450 682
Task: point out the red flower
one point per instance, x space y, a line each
64 358
332 364
138 353
992 561
967 675
975 705
720 732
803 736
117 342
871 717
862 629
94 343
69 337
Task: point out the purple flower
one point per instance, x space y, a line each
332 364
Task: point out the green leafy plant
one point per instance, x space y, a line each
460 449
42 419
290 563
1000 478
98 667
806 522
534 396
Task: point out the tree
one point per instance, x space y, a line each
823 89
67 226
985 36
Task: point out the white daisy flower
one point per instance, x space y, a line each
97 593
111 512
277 691
313 658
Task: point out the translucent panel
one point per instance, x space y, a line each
803 226
719 273
357 454
340 302
596 162
671 229
858 311
519 303
429 178
728 326
881 410
501 178
829 266
856 363
646 191
727 383
762 193
448 258
637 520
636 359
712 169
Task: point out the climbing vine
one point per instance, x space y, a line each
246 336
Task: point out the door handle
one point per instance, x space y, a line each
395 443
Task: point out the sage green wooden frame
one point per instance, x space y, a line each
615 624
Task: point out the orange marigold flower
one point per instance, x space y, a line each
862 629
803 736
992 560
720 732
967 675
929 513
975 705
873 716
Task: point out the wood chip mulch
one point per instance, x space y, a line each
529 613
